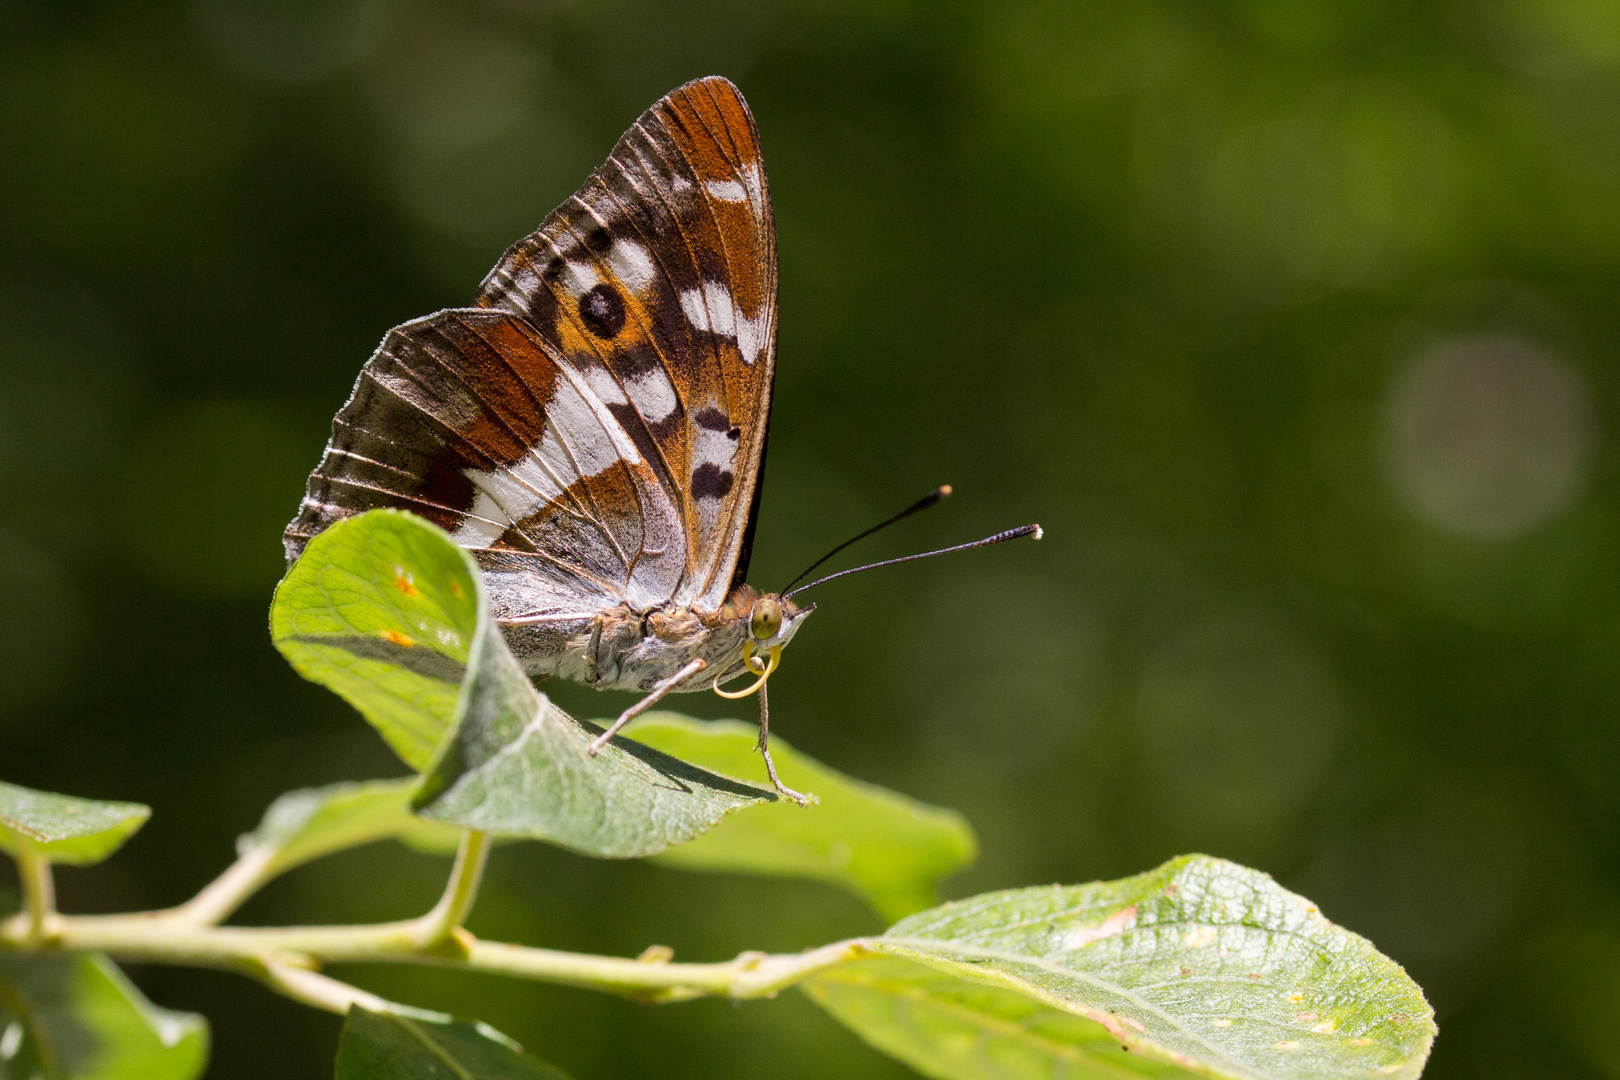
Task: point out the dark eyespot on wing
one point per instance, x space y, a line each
678 220
709 481
602 311
712 419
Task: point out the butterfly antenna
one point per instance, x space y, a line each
1001 537
933 498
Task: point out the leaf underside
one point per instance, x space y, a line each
82 1019
388 1046
312 822
517 766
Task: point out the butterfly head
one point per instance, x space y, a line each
772 618
770 621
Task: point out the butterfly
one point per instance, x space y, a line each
593 428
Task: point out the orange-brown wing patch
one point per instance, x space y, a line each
470 419
656 282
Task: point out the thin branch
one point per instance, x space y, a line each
222 896
439 926
319 991
750 975
252 950
285 958
39 893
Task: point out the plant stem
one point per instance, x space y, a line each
280 956
222 896
285 958
750 975
319 991
39 893
440 925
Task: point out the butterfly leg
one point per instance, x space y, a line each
646 703
765 749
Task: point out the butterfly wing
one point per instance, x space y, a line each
656 282
594 430
472 420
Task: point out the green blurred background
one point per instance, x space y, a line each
1295 325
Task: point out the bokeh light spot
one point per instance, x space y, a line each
281 42
451 87
1488 435
1346 191
1556 37
489 193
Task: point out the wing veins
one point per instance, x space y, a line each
663 361
545 421
718 554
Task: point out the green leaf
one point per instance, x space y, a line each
1199 968
80 1018
383 609
66 829
387 1046
386 610
307 824
517 766
886 848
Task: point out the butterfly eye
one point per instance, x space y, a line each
767 618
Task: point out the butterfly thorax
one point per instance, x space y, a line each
623 649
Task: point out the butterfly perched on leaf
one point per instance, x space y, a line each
593 427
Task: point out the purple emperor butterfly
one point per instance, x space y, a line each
593 428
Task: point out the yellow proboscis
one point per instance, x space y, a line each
763 673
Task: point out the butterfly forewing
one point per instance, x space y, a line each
656 282
470 419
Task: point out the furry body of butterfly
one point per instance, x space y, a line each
625 650
593 428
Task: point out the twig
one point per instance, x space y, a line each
286 958
39 893
438 927
317 990
750 975
222 896
254 950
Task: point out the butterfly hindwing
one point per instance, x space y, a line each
470 419
656 282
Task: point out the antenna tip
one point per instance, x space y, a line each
944 491
1037 534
